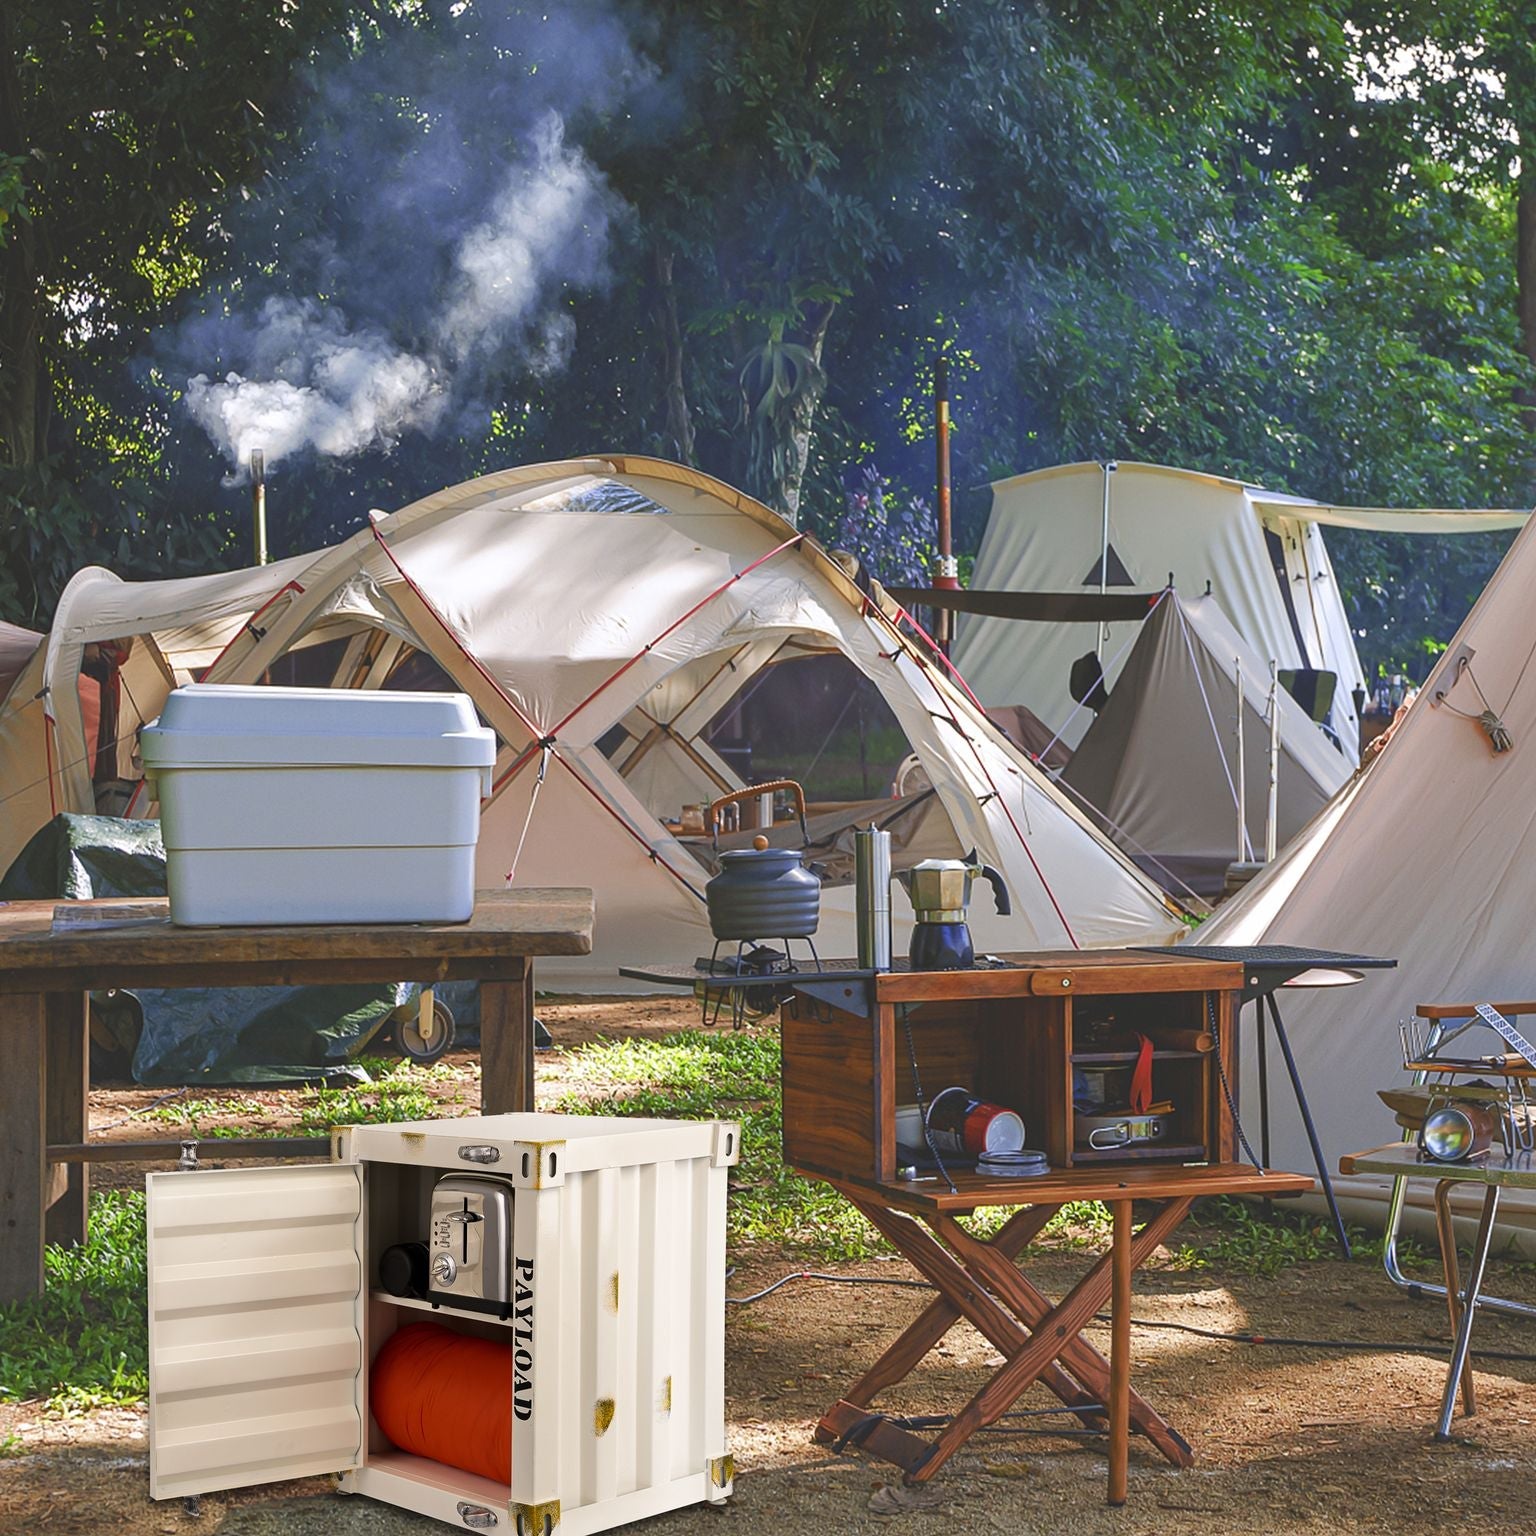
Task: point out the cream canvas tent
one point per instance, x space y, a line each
1159 765
601 613
1261 552
1427 856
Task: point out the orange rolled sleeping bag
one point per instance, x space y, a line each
446 1396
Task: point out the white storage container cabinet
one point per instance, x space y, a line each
318 805
263 1319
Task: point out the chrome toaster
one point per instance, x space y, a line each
469 1258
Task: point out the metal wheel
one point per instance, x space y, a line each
417 1047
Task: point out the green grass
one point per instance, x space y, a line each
82 1344
726 1074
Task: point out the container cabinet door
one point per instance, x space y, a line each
255 1313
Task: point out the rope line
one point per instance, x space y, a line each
540 737
1114 661
953 719
1215 734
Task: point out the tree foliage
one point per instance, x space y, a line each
1301 250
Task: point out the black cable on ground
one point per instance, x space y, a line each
1279 1341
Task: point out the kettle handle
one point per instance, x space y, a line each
751 792
999 890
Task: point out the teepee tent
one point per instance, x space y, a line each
602 613
1139 526
1159 765
1427 856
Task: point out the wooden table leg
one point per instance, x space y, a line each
67 1080
961 1290
1120 1354
1446 1229
23 1145
506 1044
1463 1342
1079 1357
1046 1342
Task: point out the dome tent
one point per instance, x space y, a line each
591 608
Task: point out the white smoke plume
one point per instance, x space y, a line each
549 222
310 379
317 384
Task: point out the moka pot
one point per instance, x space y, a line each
940 891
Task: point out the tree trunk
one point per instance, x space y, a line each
1525 264
677 432
799 420
21 291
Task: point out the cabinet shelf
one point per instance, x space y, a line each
1129 1058
1167 1151
442 1310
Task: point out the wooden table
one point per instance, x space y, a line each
48 966
1401 1160
981 1281
856 1046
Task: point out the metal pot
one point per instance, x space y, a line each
763 892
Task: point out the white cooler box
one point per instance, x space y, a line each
318 805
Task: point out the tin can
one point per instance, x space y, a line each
963 1126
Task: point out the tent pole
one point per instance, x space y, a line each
1242 776
1272 816
1109 468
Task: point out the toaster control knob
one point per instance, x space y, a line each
444 1269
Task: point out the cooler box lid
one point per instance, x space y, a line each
226 725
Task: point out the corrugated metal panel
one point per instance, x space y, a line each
254 1326
637 1360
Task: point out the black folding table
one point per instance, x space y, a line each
1266 969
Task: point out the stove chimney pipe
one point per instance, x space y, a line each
259 506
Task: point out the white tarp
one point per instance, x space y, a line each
1045 534
567 598
1428 857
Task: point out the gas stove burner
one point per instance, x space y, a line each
757 960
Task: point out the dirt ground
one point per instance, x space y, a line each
1286 1439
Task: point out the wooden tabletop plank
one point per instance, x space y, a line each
529 921
1061 973
1469 1010
1142 1181
1402 1158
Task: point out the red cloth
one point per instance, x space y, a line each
446 1396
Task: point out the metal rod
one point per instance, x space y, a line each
1306 1120
1109 468
1242 776
1272 814
168 1151
1263 1085
1469 1305
259 506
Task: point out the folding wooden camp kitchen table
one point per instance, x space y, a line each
52 954
856 1045
1496 1172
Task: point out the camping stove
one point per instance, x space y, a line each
757 962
